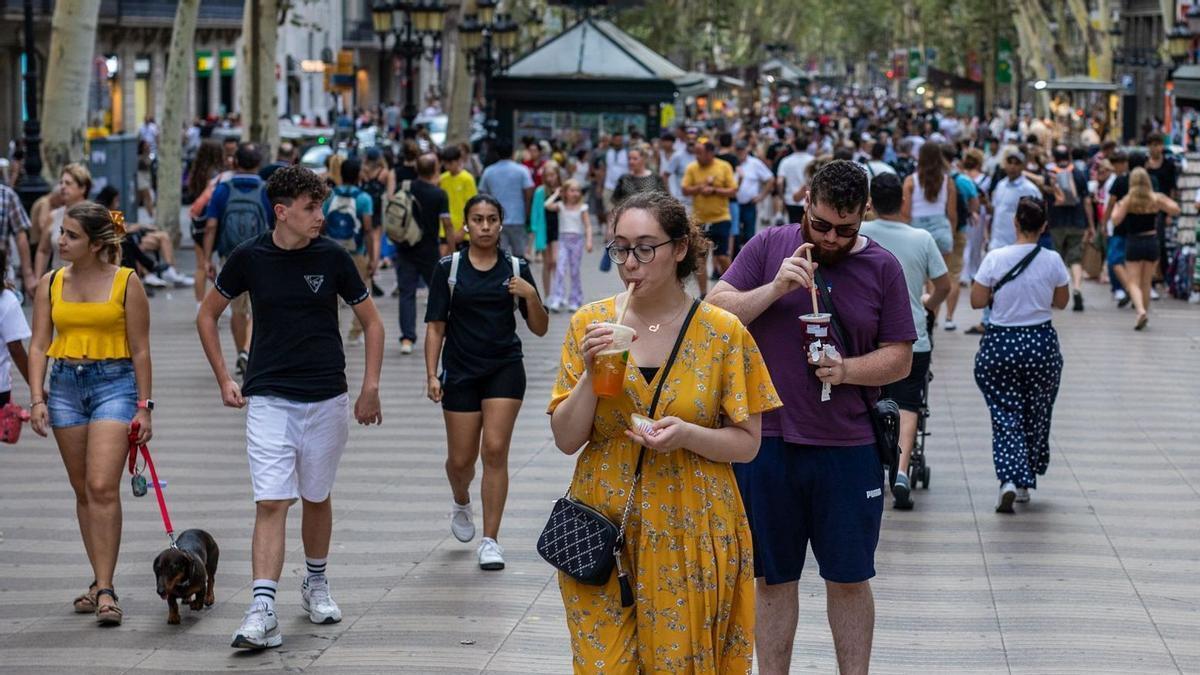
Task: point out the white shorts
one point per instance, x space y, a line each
294 447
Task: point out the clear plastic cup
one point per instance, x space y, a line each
608 371
815 327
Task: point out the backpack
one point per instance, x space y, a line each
244 217
452 278
376 189
400 219
1065 192
342 223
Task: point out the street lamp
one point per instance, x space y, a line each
418 25
31 186
489 41
381 20
1179 42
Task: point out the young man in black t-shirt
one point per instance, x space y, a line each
297 421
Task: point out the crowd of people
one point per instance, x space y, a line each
862 216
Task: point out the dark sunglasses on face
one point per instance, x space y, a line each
843 231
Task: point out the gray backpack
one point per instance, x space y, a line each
244 217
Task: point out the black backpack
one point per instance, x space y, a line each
964 208
244 216
376 189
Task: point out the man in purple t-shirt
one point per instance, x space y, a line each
817 478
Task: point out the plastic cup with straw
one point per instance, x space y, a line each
608 372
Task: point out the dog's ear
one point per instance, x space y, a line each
158 565
198 571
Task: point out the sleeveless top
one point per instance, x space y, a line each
922 207
1140 223
89 330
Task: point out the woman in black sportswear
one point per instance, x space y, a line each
471 328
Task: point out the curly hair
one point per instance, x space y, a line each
842 185
673 218
290 182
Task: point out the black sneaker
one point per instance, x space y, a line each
243 360
1078 297
901 497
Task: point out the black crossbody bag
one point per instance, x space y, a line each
1013 273
582 542
884 414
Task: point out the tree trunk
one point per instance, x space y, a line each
170 151
259 100
461 86
68 76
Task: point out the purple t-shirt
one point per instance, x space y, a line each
871 297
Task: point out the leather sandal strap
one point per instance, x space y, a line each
107 591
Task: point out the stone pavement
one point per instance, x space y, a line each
1097 574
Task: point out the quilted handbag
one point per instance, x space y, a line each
582 542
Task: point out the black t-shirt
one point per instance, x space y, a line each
296 348
431 203
1165 175
481 327
732 158
1069 216
1117 192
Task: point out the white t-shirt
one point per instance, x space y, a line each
791 172
570 220
752 174
616 164
1024 301
677 167
1005 198
13 327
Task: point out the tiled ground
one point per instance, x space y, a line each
1098 574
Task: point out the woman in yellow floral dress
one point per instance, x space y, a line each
688 548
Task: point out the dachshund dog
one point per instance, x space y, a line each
186 572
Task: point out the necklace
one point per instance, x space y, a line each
654 327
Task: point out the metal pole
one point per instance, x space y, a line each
383 74
410 46
488 67
32 186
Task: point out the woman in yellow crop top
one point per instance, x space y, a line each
99 318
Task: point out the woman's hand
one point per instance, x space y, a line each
433 389
597 339
666 435
142 419
39 419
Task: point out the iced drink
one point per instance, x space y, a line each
608 371
815 328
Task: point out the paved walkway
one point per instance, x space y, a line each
1098 574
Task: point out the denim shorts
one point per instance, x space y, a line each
939 227
90 392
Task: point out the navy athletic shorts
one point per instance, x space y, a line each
829 497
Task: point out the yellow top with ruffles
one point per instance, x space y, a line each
89 330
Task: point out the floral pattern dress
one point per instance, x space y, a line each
688 548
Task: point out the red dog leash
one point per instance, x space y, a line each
134 447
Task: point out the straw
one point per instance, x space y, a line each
625 307
813 287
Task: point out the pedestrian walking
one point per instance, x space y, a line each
967 208
818 477
459 185
688 545
92 317
794 179
471 330
13 330
933 208
639 178
1019 364
1138 214
544 222
710 182
575 233
923 264
203 176
512 185
238 212
295 391
1071 218
350 222
755 185
15 230
417 262
74 186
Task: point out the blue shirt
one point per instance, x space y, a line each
507 181
242 181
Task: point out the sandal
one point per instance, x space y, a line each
1142 320
86 603
108 615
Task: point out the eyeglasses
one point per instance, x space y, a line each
843 231
643 253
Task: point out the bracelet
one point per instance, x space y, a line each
33 404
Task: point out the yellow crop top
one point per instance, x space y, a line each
89 330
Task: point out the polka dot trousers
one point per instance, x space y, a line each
1018 369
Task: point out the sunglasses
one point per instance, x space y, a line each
843 231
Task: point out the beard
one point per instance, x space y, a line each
827 257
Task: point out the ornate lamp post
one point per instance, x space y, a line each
31 186
418 25
489 41
381 21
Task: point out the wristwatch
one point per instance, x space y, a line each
147 404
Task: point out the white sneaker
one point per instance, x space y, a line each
1022 496
1154 295
1194 298
406 347
260 629
315 599
949 325
461 524
1008 494
171 275
572 308
152 279
1119 295
491 555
